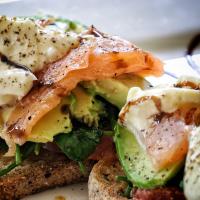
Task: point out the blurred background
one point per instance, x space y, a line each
162 26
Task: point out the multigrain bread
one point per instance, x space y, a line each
39 173
102 185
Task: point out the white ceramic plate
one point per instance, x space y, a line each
7 1
79 191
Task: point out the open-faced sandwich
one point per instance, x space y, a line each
62 86
157 139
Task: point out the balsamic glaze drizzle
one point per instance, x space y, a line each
92 30
193 44
191 47
4 59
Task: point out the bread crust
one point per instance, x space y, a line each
40 173
102 184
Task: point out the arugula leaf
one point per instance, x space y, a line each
18 155
123 178
78 144
37 148
127 192
8 169
82 167
72 25
21 154
129 187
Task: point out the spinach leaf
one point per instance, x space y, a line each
27 149
107 122
3 145
113 113
78 144
177 181
181 184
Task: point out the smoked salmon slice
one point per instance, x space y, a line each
97 57
168 142
162 120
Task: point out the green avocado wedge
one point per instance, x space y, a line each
136 163
115 90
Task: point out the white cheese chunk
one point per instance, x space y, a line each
25 42
138 114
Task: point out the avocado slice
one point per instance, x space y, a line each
82 105
136 163
54 122
115 90
85 108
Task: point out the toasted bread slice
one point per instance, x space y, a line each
102 184
39 173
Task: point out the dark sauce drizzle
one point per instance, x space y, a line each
4 59
191 47
93 31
